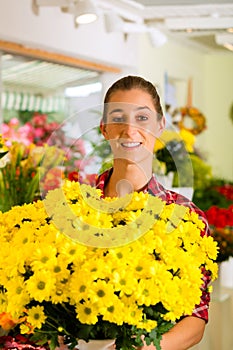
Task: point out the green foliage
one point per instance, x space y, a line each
202 172
206 196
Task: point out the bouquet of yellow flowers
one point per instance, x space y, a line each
85 267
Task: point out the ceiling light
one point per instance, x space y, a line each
157 38
113 22
85 12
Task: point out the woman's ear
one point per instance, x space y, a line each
103 129
161 127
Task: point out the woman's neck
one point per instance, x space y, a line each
126 178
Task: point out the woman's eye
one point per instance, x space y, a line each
117 119
142 117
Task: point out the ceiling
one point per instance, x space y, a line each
205 25
212 18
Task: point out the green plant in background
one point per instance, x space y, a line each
202 172
217 192
19 177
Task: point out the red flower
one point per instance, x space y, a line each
226 190
220 217
73 176
52 179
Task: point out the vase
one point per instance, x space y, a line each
106 344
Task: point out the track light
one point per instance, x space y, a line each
157 38
85 12
114 23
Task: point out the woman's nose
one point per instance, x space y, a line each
130 129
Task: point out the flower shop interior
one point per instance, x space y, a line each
55 71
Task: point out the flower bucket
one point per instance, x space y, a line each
218 293
105 344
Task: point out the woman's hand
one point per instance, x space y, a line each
182 336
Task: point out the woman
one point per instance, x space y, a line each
132 121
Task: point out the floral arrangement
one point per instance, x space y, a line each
221 224
170 154
226 190
175 152
21 173
215 198
85 267
36 131
40 132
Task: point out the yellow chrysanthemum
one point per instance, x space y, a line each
16 294
148 325
36 316
39 286
113 312
101 293
87 312
44 256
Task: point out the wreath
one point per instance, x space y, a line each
195 119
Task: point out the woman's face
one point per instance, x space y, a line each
132 125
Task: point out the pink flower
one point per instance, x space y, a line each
5 129
38 132
14 122
39 119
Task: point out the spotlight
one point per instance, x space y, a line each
85 12
157 38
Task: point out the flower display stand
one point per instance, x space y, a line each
218 293
227 273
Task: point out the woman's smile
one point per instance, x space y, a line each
131 144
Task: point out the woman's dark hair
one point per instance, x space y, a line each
134 82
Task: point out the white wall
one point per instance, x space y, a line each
212 77
180 63
54 30
218 96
